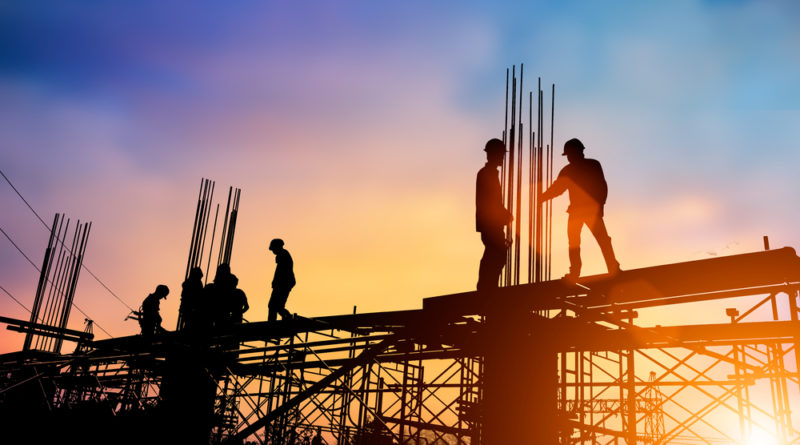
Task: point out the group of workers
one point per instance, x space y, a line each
584 180
221 303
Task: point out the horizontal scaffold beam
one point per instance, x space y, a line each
721 277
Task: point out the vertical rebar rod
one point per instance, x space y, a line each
74 275
232 226
61 277
194 230
205 228
510 189
539 186
505 140
211 246
518 225
195 241
51 278
223 235
37 301
550 182
56 279
530 187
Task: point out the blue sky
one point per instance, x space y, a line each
355 130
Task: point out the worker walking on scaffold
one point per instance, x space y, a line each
491 217
587 187
282 282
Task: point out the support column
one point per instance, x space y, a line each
520 380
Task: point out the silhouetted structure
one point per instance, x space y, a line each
57 282
237 303
573 352
491 216
587 187
217 297
317 440
150 316
191 298
282 282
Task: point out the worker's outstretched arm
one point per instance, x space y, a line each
558 187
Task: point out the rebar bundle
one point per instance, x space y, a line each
539 163
58 279
197 244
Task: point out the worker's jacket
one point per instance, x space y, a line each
490 214
586 184
284 271
150 310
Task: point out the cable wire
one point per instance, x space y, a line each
14 298
73 305
49 228
40 271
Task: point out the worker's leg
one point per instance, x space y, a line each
598 228
574 225
275 304
493 260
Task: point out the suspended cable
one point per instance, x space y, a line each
39 270
18 249
49 228
15 299
73 305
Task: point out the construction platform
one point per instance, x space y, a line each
548 362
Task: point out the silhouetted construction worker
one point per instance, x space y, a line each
216 297
282 282
587 187
491 216
150 316
237 301
317 440
191 296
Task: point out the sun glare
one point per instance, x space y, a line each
759 437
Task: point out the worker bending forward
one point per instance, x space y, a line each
587 187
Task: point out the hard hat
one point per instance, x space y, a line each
495 145
573 145
162 290
277 243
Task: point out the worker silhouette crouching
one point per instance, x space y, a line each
491 216
588 190
150 316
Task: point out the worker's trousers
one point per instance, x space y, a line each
593 220
277 304
493 260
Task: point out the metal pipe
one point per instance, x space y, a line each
530 187
510 188
205 227
194 230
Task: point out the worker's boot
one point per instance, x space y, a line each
608 255
574 265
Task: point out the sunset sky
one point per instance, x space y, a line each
355 130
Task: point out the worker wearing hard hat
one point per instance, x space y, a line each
491 216
587 187
282 282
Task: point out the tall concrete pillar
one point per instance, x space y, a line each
520 380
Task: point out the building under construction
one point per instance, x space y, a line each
537 361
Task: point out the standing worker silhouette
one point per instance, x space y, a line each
282 282
587 187
491 216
